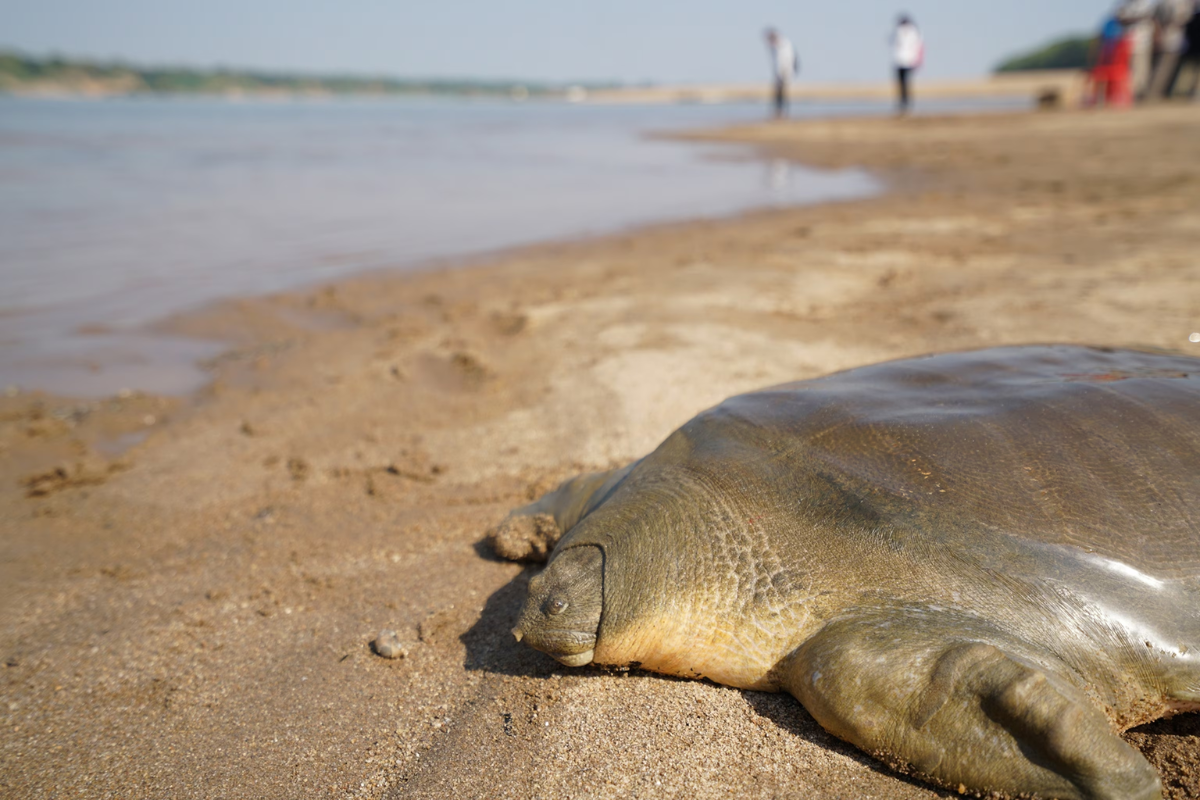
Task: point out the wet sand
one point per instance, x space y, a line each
188 589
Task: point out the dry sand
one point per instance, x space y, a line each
1067 84
191 617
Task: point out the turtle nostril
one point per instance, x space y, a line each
517 632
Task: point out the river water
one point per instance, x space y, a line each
116 213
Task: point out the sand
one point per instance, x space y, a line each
1066 84
188 589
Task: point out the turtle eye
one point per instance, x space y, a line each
555 606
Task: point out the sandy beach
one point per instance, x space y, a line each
188 588
1065 84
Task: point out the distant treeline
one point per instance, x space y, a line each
1071 52
19 72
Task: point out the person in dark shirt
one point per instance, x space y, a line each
1189 57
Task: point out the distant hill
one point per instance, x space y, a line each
1070 52
21 73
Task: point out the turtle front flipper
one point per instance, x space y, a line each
530 532
941 695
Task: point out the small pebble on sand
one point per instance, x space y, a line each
387 644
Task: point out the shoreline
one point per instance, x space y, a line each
87 339
180 324
193 617
312 307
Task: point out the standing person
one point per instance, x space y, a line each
785 64
1190 57
1138 18
1109 77
1171 18
908 52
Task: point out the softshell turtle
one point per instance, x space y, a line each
979 567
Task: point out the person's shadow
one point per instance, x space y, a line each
491 647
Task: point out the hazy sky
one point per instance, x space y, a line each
557 40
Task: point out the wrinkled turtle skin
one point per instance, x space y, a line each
979 567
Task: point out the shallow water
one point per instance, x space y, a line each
115 213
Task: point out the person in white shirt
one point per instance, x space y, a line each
785 64
1138 18
908 51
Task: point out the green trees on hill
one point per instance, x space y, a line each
19 67
1070 52
21 72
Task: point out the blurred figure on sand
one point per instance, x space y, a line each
1190 58
1138 18
1171 18
785 64
908 53
1110 79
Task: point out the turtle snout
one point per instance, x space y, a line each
561 616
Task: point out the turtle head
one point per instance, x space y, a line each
562 613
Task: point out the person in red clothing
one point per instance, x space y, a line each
1110 75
